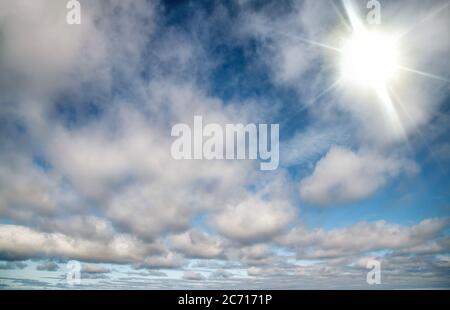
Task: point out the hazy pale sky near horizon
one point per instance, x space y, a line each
86 172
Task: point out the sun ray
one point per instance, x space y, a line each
329 89
341 16
423 73
370 60
312 42
434 13
390 110
352 16
333 86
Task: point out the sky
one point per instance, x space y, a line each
86 172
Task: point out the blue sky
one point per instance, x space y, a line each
86 172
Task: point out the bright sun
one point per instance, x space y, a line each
369 58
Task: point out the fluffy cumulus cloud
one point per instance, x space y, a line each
364 237
19 242
197 244
253 219
86 172
193 276
344 176
44 62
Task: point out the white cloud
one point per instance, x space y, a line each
166 260
45 61
220 274
79 226
197 244
254 219
193 276
19 242
92 268
112 193
345 176
27 189
256 255
266 272
305 146
362 237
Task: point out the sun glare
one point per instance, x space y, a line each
369 58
